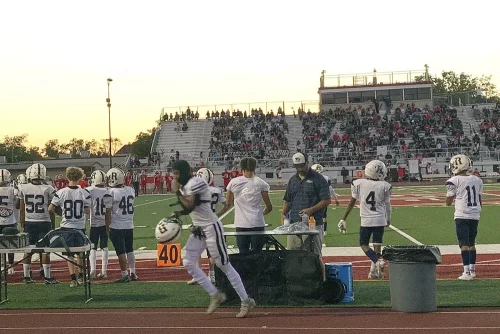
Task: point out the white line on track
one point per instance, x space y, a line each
407 236
160 200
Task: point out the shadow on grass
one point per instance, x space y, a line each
125 298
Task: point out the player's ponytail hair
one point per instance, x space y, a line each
248 164
74 173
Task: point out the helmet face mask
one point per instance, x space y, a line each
115 177
376 170
460 163
206 174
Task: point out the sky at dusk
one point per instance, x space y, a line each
56 55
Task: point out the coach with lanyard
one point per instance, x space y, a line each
307 193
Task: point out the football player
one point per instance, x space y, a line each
318 168
374 196
121 223
207 232
35 218
9 204
217 198
100 208
73 202
467 191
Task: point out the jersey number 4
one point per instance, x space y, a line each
370 200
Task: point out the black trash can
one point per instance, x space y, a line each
412 271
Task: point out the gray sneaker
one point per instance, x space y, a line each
215 301
73 284
246 306
124 279
134 277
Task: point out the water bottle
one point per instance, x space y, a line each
312 223
305 219
286 222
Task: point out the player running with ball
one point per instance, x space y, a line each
207 233
374 195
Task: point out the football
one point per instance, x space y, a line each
168 230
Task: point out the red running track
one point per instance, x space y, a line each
275 320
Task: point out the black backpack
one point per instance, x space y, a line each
66 238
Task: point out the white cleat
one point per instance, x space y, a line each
473 274
11 271
215 302
373 271
246 306
35 257
102 275
380 269
192 282
466 277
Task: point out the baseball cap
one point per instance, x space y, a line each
299 159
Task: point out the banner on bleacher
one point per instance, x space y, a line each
413 166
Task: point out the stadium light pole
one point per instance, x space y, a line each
108 100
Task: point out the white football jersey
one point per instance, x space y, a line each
247 192
72 200
101 199
8 198
122 210
202 214
467 191
37 198
374 201
217 197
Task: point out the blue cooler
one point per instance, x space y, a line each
342 271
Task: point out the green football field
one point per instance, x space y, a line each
418 214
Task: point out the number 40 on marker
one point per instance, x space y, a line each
168 255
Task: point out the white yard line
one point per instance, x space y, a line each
160 200
407 236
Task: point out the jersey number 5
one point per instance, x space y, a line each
370 200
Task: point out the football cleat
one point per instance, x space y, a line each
246 306
134 277
215 301
466 277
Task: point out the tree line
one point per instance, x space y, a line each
16 148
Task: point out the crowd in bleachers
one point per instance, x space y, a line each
489 127
408 133
236 135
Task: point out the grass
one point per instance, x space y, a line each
431 225
451 293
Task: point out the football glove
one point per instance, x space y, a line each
342 226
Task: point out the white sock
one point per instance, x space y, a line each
472 267
104 263
131 262
466 269
235 280
93 255
199 276
46 270
26 269
124 273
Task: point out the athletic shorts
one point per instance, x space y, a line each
37 230
466 231
123 240
99 234
365 232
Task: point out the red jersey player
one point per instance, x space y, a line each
226 176
128 180
168 180
157 181
234 173
144 181
84 182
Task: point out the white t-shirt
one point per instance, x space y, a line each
8 197
374 201
37 198
247 192
72 201
467 191
122 210
101 200
202 214
217 197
